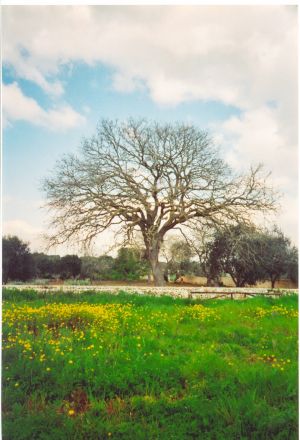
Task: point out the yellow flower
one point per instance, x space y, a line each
70 362
71 412
48 369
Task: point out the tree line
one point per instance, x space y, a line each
20 264
245 253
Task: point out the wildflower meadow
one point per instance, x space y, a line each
98 366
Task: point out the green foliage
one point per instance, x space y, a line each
17 263
277 256
236 251
250 255
69 266
162 368
246 254
179 259
129 265
293 266
97 268
46 266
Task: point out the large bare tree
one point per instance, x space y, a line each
152 178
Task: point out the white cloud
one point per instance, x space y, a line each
17 106
242 55
256 137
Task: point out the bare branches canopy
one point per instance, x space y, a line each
149 177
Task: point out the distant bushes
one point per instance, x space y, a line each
20 265
248 255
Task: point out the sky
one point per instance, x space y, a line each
230 70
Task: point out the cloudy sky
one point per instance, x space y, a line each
229 69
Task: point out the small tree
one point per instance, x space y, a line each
17 262
178 254
106 265
89 267
151 178
236 251
129 265
278 258
70 266
97 268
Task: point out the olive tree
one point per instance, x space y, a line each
278 257
70 266
237 250
150 178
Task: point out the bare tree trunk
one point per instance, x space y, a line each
273 281
157 272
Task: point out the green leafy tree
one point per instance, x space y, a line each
178 254
17 262
70 266
106 265
129 264
89 267
97 268
46 266
236 251
278 257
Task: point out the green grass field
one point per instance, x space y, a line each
98 366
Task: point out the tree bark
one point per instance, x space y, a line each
157 272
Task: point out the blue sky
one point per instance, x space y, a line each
193 64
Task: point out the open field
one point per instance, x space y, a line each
97 366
